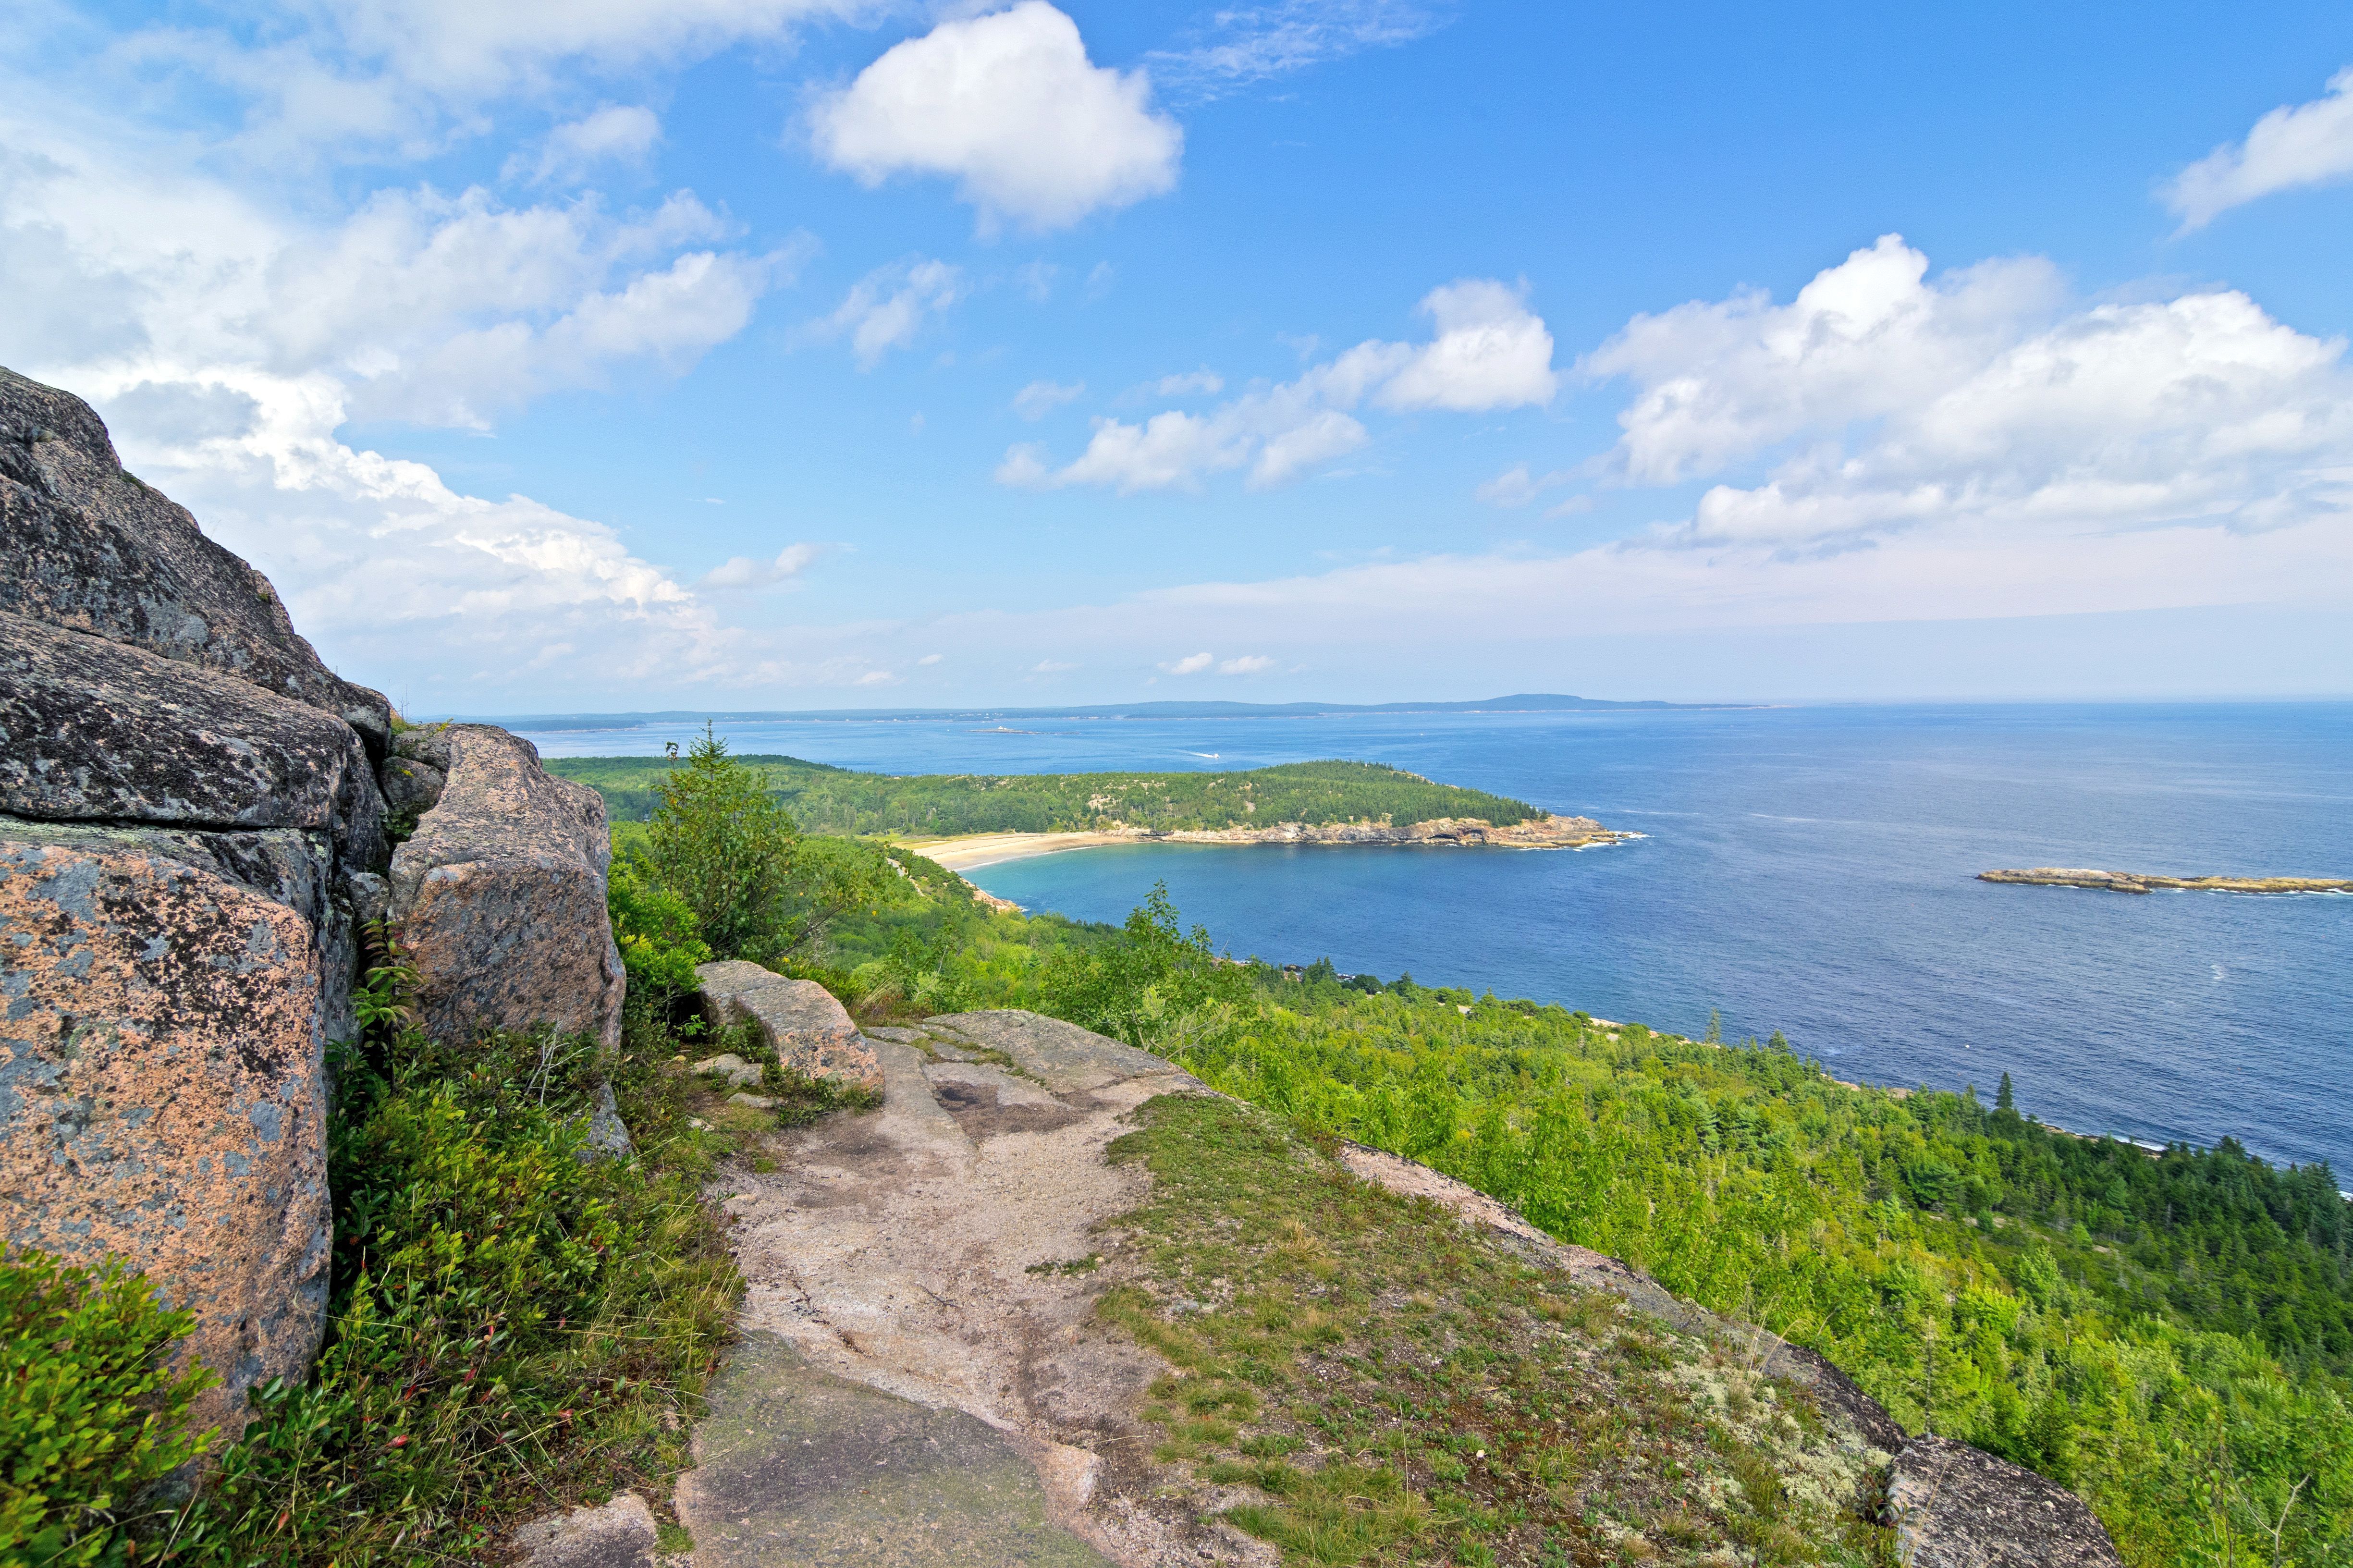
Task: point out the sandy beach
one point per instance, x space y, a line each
972 850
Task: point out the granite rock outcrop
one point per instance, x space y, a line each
161 1094
193 829
91 549
500 894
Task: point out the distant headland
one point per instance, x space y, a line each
2138 882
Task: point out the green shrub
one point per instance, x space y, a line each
93 1415
720 843
659 938
513 1328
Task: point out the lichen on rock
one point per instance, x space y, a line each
161 1095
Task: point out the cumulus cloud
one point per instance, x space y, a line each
2294 145
626 134
227 343
1009 107
885 309
742 572
1980 400
1191 664
1490 353
1040 398
1248 664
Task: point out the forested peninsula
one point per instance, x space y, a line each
1232 806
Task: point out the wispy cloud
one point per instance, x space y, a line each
1040 398
885 309
742 572
1241 44
2294 145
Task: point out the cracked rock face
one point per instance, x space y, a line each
96 732
90 548
161 1094
499 895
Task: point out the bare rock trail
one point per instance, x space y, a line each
923 1379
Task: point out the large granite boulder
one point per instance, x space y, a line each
92 731
89 547
160 1093
499 895
1955 1506
813 1034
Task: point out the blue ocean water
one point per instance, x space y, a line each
1806 870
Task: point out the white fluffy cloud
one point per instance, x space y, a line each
2299 144
1009 107
1490 353
227 343
1191 664
885 309
1980 403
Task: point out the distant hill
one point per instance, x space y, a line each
1522 702
836 800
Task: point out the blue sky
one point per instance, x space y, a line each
802 353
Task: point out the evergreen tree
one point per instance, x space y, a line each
2003 1100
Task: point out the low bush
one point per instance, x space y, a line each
93 1411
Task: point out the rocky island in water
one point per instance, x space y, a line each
2141 882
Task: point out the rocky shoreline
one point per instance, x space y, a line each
1544 832
2139 883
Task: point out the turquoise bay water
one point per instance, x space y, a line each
1809 869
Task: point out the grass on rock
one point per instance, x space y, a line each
1360 1378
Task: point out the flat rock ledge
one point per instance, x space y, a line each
812 1034
2143 882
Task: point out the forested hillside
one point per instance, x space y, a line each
831 800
